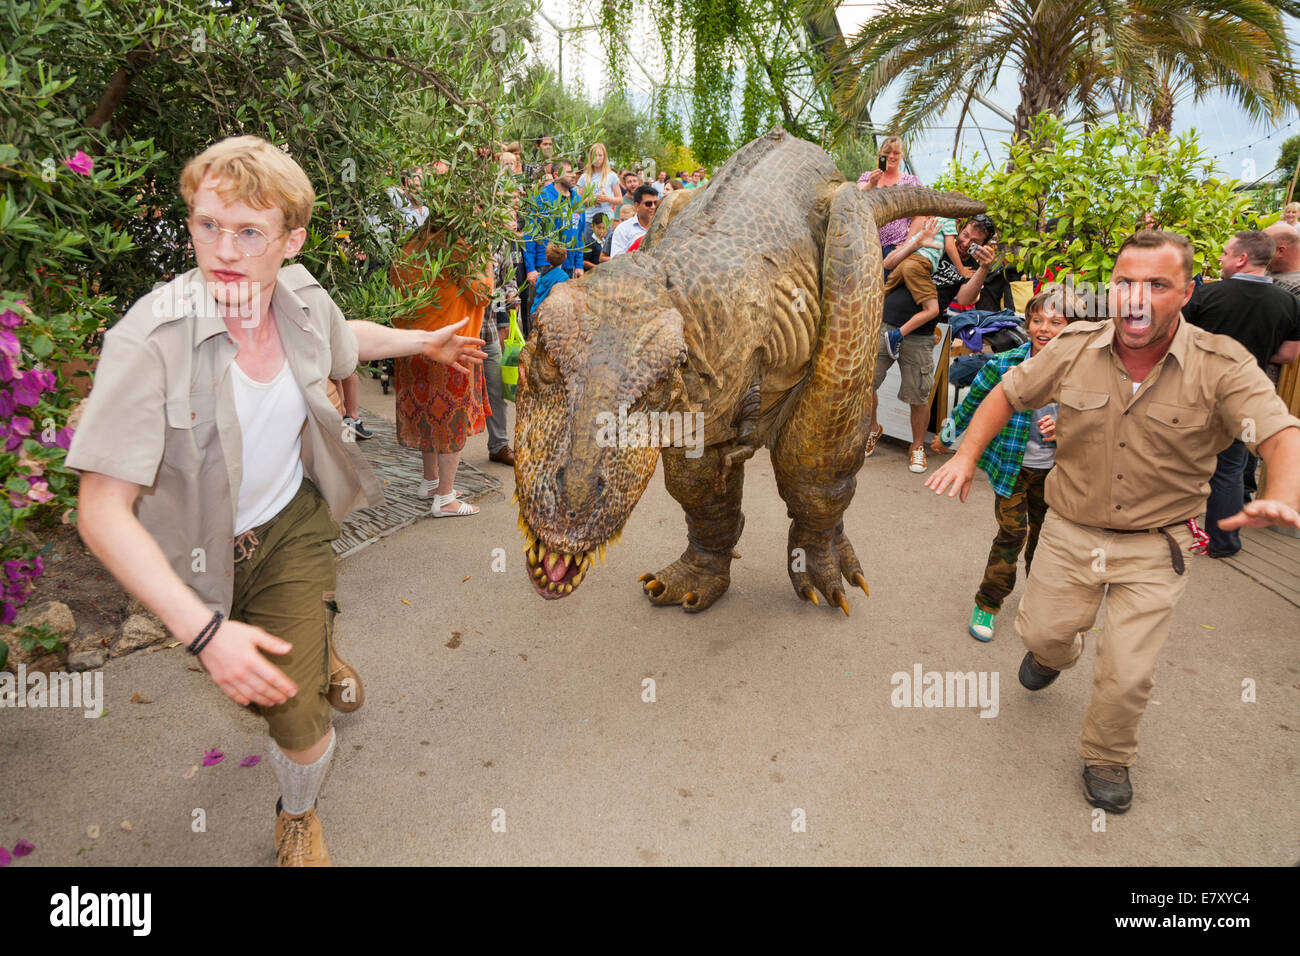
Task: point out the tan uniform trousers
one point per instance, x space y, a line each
1074 568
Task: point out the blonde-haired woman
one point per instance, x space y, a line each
1291 214
890 173
598 184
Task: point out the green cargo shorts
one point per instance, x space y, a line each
284 584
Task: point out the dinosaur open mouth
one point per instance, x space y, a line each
554 573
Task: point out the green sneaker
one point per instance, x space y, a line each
981 624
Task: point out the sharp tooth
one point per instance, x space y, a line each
568 588
538 572
567 559
543 553
577 578
601 549
550 585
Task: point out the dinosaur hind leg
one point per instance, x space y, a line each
714 522
820 447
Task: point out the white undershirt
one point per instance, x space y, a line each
271 416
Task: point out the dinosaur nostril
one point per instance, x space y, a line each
572 515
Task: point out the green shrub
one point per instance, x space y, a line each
1098 188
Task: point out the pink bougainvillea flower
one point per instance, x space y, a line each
63 438
27 389
23 848
250 761
4 856
80 163
9 319
211 757
9 343
7 405
39 491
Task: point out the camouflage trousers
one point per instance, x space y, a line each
1020 518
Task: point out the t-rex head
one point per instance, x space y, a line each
604 349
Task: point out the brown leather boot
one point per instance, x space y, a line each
299 841
345 693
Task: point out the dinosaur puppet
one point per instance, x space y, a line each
753 307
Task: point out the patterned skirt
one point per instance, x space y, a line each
438 408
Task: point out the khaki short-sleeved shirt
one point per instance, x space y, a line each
161 414
1143 461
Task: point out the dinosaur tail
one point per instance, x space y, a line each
899 202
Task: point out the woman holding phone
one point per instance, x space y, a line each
889 172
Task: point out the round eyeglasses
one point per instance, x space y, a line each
250 241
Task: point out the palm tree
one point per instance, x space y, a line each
1231 47
1090 55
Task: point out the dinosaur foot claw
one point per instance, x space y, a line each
690 582
823 560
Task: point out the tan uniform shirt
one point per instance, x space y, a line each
1143 461
162 415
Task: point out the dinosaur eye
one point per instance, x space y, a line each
542 369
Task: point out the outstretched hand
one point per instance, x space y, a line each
958 473
1261 513
457 351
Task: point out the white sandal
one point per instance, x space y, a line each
441 501
427 487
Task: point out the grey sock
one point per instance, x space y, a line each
299 783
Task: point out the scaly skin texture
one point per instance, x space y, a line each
752 306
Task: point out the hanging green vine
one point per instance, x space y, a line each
717 39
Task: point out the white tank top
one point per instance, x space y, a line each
271 416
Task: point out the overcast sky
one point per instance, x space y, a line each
1242 149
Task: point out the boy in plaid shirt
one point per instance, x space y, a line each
1018 459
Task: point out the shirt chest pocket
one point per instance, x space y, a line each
1175 429
191 428
1081 418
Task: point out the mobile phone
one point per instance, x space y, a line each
882 163
976 247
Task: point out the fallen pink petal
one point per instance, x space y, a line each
23 848
4 856
80 163
211 757
250 761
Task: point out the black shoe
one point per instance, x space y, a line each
1033 675
358 429
1107 785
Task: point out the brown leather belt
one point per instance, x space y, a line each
1175 552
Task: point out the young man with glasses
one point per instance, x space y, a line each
645 201
214 467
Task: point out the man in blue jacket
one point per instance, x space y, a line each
562 220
